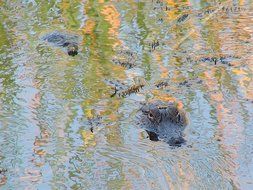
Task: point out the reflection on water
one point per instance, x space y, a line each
61 129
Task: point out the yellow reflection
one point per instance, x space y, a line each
164 70
241 2
171 2
88 138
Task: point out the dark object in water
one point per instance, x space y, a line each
3 170
131 90
162 84
125 57
124 63
122 90
182 18
154 45
152 136
94 122
164 121
115 92
63 40
225 60
224 10
72 49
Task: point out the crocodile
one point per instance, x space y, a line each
163 121
60 39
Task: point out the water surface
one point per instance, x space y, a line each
47 97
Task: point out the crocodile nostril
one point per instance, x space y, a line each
176 141
152 136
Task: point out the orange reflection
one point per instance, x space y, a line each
88 138
89 27
164 70
113 17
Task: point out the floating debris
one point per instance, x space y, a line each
154 45
125 58
162 84
182 18
3 170
121 89
224 9
124 63
223 59
131 90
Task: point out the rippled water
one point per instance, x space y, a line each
49 100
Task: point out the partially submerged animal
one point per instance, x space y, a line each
60 39
164 121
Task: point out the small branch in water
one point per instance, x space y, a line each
115 92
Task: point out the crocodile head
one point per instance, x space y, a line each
164 120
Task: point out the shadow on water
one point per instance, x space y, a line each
60 126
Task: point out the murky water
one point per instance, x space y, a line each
49 100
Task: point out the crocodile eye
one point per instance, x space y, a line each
150 116
145 112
